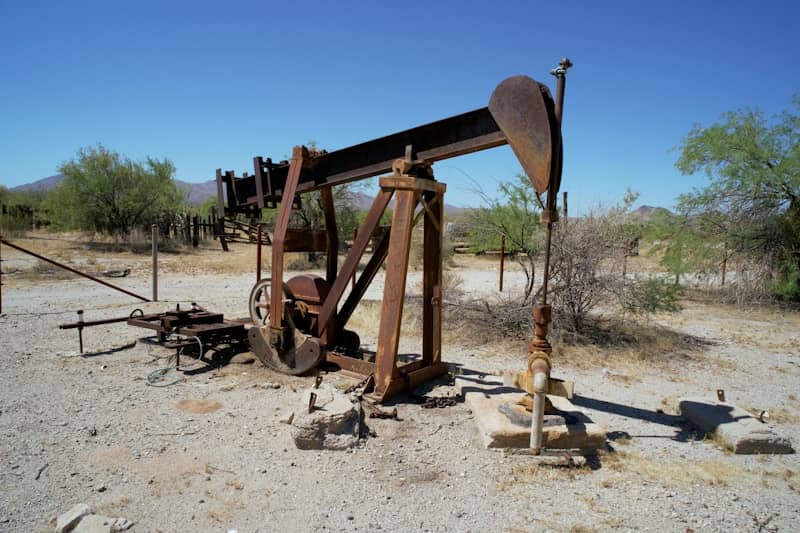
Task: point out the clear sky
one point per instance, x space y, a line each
211 84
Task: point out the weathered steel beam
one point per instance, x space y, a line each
450 137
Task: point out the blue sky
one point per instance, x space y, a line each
211 85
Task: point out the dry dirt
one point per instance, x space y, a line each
208 453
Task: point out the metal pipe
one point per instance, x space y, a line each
154 230
546 273
78 272
537 415
540 368
502 259
89 323
560 73
80 329
355 236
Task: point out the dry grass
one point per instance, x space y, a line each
783 416
629 348
528 474
367 316
681 472
114 506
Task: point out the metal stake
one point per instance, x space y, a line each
80 329
502 259
154 230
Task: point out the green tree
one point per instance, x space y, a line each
107 192
515 216
23 209
753 195
687 244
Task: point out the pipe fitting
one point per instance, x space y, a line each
539 363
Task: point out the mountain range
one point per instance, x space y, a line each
200 192
197 193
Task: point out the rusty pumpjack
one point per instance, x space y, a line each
300 323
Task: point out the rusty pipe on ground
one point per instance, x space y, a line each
78 272
540 369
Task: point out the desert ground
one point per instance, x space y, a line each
209 453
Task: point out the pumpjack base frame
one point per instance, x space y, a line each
416 198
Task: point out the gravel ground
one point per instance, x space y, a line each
209 453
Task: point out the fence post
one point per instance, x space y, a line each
195 232
502 259
154 230
258 254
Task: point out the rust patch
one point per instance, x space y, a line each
198 407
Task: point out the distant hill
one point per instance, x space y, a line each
647 212
199 192
42 185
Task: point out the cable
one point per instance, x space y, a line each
155 377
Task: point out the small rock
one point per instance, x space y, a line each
121 524
288 418
101 488
94 524
242 359
67 521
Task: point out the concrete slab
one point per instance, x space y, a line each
504 424
736 428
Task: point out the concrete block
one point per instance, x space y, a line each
736 428
334 424
67 521
503 423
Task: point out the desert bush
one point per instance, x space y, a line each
589 262
650 296
416 256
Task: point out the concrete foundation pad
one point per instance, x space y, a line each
505 424
736 428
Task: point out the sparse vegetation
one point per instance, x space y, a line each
515 217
